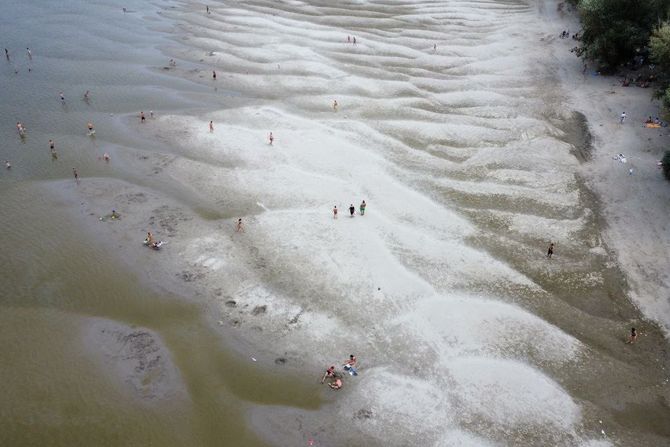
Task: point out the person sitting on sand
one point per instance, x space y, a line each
649 120
336 384
351 362
150 238
114 215
106 157
330 373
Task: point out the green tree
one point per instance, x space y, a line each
659 45
666 164
614 30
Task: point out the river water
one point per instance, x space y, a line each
54 281
450 124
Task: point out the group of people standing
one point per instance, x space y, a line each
352 209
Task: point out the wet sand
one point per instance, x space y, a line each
472 157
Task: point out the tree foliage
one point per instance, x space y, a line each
615 30
659 45
666 164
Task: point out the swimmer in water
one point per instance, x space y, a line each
352 210
142 118
335 105
8 165
239 227
62 97
91 128
211 126
271 138
335 212
76 175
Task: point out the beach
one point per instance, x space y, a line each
474 138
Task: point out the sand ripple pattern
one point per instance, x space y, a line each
465 330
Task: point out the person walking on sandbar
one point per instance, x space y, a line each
550 250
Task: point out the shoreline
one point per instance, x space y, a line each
442 289
634 205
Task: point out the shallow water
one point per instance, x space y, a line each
443 289
54 280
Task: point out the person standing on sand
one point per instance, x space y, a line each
623 117
211 126
550 250
335 212
214 74
207 8
348 39
362 208
239 228
7 53
352 210
271 138
632 337
76 175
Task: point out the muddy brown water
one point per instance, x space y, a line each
56 395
